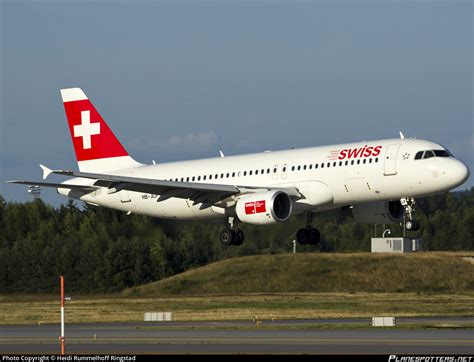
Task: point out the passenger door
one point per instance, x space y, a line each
390 161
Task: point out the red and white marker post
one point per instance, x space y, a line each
62 315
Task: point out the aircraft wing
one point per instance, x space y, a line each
55 185
205 193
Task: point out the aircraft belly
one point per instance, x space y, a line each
147 204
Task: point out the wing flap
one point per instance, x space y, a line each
55 185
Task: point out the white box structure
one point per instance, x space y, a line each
416 244
395 245
158 317
383 321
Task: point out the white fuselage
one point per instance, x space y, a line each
391 174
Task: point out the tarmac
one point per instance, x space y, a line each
348 336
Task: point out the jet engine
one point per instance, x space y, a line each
380 212
264 208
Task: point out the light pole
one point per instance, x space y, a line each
294 246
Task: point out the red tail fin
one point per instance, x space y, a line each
95 145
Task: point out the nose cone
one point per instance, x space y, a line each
458 173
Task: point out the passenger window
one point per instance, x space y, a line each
222 175
245 173
210 177
329 164
304 167
284 169
199 178
204 177
316 165
227 175
268 170
193 178
346 163
419 155
292 168
334 164
250 173
364 161
187 179
352 162
299 167
274 170
340 163
233 174
370 160
256 172
311 166
376 159
322 165
358 162
263 171
182 179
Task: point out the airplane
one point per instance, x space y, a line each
377 180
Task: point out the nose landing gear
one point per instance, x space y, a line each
409 204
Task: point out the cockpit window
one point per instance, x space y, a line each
419 155
429 154
441 153
432 153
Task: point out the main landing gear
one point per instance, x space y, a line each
409 204
308 235
232 235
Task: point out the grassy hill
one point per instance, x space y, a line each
322 273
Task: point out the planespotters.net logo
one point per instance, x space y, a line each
395 358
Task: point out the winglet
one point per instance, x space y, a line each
46 171
402 136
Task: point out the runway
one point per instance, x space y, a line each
242 337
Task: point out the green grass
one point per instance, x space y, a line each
321 273
45 309
301 286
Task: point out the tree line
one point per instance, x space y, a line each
100 250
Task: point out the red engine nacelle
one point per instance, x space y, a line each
264 208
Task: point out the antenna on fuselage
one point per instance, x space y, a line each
402 136
221 153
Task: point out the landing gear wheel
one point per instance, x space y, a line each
412 225
232 237
227 237
308 236
239 237
303 236
315 236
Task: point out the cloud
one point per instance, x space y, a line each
201 140
177 146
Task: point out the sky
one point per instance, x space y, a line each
180 80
